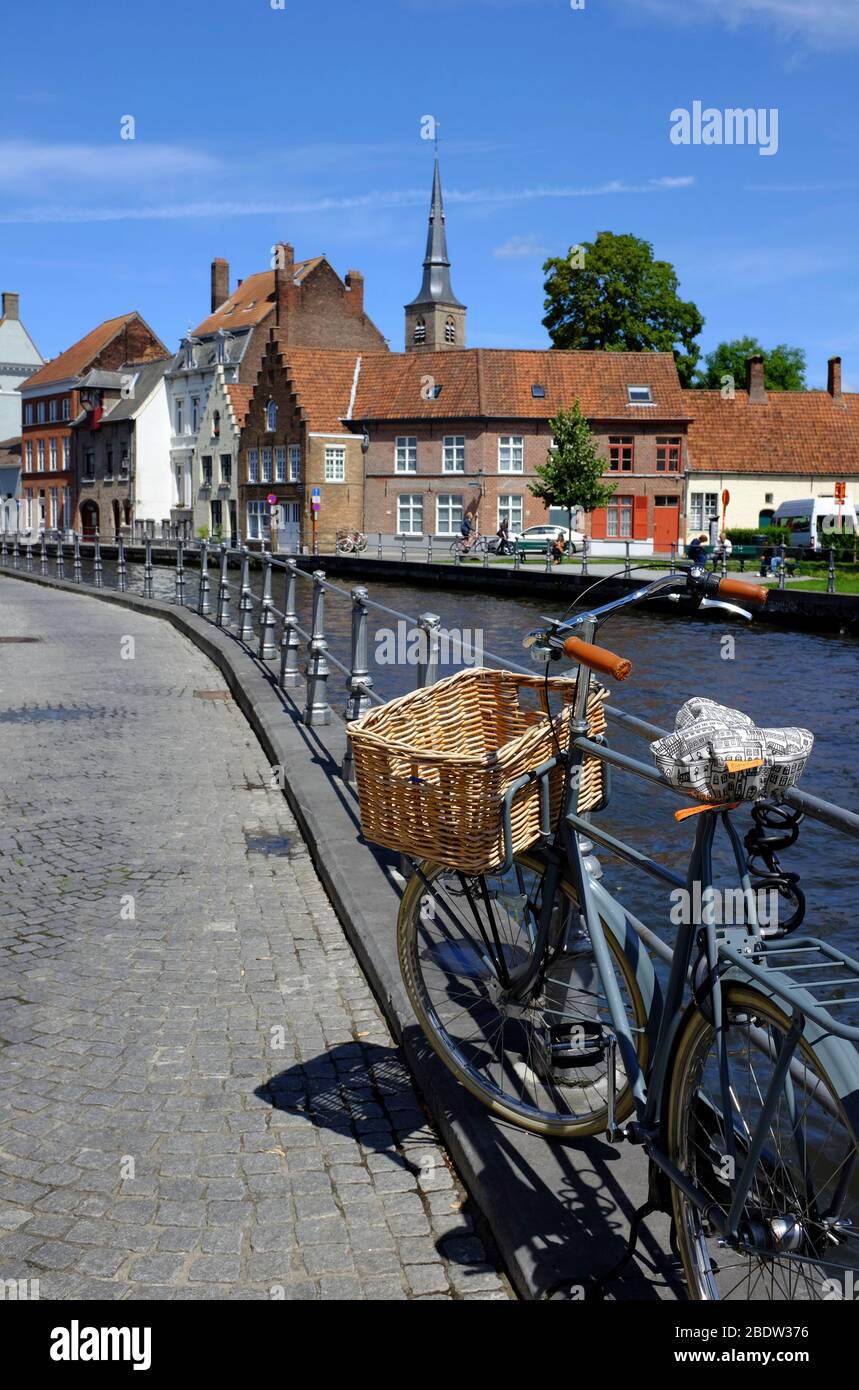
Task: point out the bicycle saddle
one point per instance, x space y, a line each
719 754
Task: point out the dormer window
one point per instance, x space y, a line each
640 395
271 417
538 391
420 331
450 331
436 391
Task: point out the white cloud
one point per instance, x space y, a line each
823 23
520 248
24 163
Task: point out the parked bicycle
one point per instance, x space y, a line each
741 1081
350 542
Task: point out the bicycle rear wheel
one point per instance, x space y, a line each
798 1234
453 960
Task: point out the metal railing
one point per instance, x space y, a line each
277 636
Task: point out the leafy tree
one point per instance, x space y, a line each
572 475
611 294
784 366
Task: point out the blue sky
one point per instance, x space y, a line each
255 124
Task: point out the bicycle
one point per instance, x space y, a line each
474 545
350 542
533 986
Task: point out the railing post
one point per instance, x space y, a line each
486 555
360 681
627 568
429 547
548 557
429 623
121 572
290 673
77 566
830 577
246 605
267 645
222 617
204 606
379 551
317 710
43 555
60 566
586 545
673 569
147 567
517 556
724 562
16 553
3 548
28 558
179 577
97 566
781 574
403 548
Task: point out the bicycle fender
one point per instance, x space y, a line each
633 948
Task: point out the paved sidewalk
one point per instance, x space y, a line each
198 1095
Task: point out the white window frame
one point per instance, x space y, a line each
52 503
52 409
453 453
509 504
253 465
66 412
280 463
28 456
67 452
40 413
195 414
406 453
410 506
271 417
28 413
258 520
265 470
295 463
639 387
52 453
180 411
453 506
703 508
509 447
40 455
335 463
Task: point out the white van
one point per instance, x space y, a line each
813 519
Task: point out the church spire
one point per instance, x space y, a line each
435 318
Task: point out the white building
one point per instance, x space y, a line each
19 358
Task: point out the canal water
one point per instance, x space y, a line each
776 677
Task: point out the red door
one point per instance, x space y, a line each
89 520
666 523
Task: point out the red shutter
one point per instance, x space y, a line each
639 518
598 524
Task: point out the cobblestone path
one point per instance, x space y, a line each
198 1095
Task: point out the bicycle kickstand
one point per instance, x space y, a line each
595 1287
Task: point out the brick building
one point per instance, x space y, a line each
294 439
52 400
304 302
464 431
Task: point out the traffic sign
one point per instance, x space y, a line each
841 492
272 499
726 497
315 498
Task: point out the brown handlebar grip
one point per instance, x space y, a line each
597 658
735 588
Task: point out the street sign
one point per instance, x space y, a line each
726 497
315 498
272 499
841 492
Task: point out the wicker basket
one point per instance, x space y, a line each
432 767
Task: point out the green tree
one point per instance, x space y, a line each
572 475
611 294
784 366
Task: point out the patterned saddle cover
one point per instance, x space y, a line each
719 754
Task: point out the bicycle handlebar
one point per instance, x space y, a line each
735 588
597 658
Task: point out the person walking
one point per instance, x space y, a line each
503 533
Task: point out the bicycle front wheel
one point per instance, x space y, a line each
798 1236
457 938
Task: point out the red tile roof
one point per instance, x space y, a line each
496 383
79 356
252 301
803 432
322 379
240 399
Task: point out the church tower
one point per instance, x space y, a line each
435 319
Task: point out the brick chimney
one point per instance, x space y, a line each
355 286
833 378
220 282
755 379
10 306
285 292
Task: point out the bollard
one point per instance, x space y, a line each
781 570
222 617
43 555
586 545
3 549
403 549
517 556
430 624
246 606
830 577
548 565
179 578
429 548
724 562
627 568
60 567
78 571
121 572
673 569
147 568
360 681
28 558
485 555
267 644
457 552
290 674
317 710
16 553
97 566
204 606
379 551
